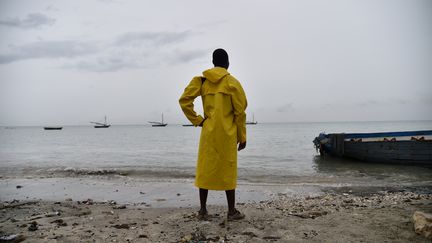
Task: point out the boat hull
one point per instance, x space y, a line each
159 125
399 152
53 128
402 148
102 126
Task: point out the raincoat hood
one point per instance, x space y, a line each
215 74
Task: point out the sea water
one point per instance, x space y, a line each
276 153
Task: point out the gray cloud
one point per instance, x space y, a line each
133 60
187 56
370 103
327 106
387 102
151 38
134 50
107 64
212 24
426 100
48 49
285 108
52 8
32 20
128 51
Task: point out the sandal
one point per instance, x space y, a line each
202 215
237 215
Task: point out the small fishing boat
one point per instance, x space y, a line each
159 124
410 147
253 122
53 128
188 125
101 125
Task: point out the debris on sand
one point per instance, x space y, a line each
33 226
119 207
12 238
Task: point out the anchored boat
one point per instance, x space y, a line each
253 122
53 128
410 147
159 124
101 125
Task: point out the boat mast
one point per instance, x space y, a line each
162 118
105 120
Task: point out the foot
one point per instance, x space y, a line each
202 215
235 215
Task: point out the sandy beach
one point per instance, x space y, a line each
102 189
342 215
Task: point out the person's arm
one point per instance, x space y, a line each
239 101
186 101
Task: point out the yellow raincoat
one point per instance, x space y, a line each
224 126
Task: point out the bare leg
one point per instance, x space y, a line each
233 213
230 194
203 201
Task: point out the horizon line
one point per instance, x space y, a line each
179 124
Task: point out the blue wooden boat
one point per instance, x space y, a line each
410 147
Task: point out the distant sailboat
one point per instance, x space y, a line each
101 125
53 128
159 124
253 122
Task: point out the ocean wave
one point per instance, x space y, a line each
164 173
172 173
245 176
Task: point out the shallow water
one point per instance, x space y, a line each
275 154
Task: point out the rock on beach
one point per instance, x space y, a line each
423 224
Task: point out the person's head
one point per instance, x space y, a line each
220 58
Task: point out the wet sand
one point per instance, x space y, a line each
175 193
341 215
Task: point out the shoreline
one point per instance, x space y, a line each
152 193
339 216
124 209
177 192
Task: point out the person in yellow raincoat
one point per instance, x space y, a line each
223 127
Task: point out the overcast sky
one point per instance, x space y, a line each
71 62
